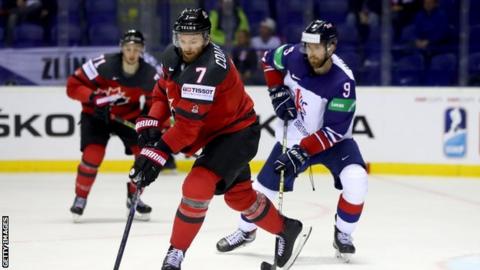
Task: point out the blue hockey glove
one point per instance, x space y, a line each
283 103
293 162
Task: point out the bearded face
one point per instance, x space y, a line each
191 46
316 54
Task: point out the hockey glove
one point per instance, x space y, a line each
148 165
101 110
148 130
293 162
283 103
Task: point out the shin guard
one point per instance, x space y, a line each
87 169
256 207
198 190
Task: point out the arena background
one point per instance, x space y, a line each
417 124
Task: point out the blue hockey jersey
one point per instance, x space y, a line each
325 103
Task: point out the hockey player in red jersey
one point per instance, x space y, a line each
109 87
202 89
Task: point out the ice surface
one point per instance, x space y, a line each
414 223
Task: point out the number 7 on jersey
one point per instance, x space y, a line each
202 71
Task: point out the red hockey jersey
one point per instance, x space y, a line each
104 74
207 98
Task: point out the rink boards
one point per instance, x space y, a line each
430 131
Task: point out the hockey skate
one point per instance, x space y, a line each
343 245
173 260
77 208
294 235
235 240
143 210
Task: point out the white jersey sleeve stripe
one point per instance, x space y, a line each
90 70
341 64
330 136
333 132
320 140
326 141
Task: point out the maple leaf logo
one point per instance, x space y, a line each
117 92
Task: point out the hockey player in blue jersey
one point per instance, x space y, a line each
314 90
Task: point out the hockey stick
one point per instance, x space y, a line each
311 178
132 126
123 121
126 232
281 187
304 235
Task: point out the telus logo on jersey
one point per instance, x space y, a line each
342 105
455 132
198 92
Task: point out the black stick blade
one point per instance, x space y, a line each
266 266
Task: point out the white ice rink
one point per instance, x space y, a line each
408 223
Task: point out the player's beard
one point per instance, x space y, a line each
190 56
315 62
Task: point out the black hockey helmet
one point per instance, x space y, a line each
132 36
192 20
319 31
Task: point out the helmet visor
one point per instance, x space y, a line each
205 35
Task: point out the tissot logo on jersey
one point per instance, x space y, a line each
198 92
